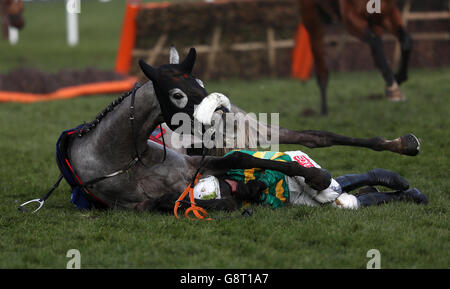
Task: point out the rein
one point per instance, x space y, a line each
133 131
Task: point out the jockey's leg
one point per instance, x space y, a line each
375 177
347 201
371 199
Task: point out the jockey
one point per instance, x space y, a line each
275 189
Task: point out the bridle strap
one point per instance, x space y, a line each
133 131
116 173
163 141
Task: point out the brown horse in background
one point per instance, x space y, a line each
366 27
11 12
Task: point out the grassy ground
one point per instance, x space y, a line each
407 236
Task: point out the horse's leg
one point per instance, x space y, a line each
359 27
312 22
406 47
318 179
379 57
393 92
398 28
406 145
4 20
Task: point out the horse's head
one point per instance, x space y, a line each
176 89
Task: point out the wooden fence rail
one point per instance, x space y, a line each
272 44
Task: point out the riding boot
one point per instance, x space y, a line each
376 177
376 198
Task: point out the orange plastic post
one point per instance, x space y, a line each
128 34
302 57
70 91
127 37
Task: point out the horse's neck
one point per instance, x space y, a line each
113 140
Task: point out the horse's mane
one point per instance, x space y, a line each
87 127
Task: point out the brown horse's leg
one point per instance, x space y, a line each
311 20
393 92
15 14
406 47
406 145
4 19
398 28
379 57
357 23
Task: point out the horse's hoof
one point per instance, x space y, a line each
410 145
394 94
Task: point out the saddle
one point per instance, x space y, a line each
81 197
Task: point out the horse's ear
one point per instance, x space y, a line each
188 63
149 71
174 58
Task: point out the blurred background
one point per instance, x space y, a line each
235 39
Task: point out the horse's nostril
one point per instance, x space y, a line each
223 109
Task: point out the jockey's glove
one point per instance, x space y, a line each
250 191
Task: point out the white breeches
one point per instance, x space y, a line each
302 194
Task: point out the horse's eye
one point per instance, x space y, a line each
178 96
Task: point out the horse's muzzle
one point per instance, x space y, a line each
215 101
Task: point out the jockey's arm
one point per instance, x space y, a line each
250 191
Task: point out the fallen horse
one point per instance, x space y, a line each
110 163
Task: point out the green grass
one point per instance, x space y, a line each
43 41
408 236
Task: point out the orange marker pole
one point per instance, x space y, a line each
302 57
127 37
